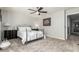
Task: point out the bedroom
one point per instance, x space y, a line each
56 33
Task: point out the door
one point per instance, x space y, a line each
68 26
0 25
0 30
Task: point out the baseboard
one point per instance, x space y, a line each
55 37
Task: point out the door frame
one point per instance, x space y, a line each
65 23
66 26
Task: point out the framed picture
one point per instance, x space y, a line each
47 21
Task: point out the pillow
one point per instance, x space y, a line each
28 28
21 28
24 28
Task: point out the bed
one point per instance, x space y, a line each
27 34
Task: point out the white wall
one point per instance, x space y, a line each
56 30
17 17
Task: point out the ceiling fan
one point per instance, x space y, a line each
38 10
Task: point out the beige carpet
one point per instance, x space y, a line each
45 45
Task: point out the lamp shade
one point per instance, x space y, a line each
36 25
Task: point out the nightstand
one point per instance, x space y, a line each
10 34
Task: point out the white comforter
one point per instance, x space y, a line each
30 35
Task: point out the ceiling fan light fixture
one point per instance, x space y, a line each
37 13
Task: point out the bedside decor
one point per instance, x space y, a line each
47 21
5 44
36 26
6 26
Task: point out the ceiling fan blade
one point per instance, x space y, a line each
31 9
40 8
33 12
43 11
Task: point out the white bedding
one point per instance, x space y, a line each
29 35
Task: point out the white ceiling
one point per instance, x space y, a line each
50 10
22 9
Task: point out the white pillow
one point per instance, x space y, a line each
21 29
28 28
24 28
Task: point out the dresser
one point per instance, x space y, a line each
10 34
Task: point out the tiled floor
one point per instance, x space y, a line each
45 45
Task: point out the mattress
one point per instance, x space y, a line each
29 35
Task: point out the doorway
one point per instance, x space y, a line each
72 25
